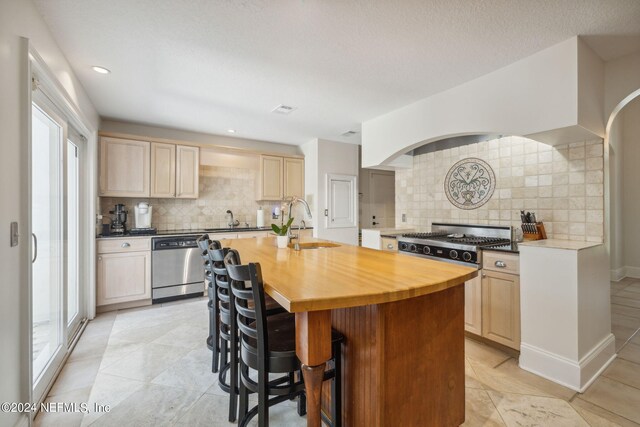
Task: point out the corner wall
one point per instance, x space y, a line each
631 188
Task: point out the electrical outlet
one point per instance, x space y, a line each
404 217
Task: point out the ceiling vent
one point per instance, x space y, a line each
349 133
283 109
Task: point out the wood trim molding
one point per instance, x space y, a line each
224 148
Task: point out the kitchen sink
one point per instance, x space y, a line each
315 245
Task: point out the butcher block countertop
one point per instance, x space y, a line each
344 276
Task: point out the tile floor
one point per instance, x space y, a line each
151 367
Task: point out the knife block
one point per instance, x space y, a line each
539 234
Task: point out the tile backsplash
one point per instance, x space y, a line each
221 188
563 185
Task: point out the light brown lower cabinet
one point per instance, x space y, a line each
501 308
492 300
123 270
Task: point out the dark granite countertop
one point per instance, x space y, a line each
194 232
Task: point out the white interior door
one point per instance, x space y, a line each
341 201
382 190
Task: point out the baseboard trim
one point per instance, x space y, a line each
633 272
574 374
618 274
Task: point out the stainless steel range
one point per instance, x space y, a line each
456 243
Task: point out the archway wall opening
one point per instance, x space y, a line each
555 96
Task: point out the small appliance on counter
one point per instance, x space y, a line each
142 216
119 220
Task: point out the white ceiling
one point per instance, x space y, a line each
212 65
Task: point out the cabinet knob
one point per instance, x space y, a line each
99 258
484 274
126 245
500 264
389 246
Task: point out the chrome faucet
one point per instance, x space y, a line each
232 223
294 200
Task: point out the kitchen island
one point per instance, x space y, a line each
402 317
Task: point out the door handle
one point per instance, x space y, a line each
35 248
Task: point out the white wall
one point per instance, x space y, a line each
18 18
616 237
630 187
621 78
536 97
196 137
323 157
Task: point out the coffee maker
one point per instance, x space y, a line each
143 212
119 220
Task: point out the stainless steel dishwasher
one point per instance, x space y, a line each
176 268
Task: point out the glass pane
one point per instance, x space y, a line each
46 220
73 295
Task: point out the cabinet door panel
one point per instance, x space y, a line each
124 167
123 277
501 308
270 178
187 169
163 170
473 305
293 177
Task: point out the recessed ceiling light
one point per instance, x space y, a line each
283 109
231 130
100 70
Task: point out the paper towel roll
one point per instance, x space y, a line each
260 218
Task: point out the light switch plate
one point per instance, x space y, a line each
404 217
14 234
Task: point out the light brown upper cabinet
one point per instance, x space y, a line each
280 177
187 164
124 167
174 171
163 170
132 168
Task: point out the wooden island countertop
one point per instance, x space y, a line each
403 322
344 276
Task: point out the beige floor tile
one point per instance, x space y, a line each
89 347
146 363
630 352
471 379
635 339
76 375
57 418
185 335
633 287
547 388
145 333
596 416
617 287
192 372
628 302
151 405
209 411
116 350
626 281
624 320
98 328
629 294
625 372
615 397
622 333
484 354
480 410
627 311
109 390
521 410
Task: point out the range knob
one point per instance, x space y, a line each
466 256
426 250
403 246
453 253
413 248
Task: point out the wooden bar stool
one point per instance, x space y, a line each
213 340
267 345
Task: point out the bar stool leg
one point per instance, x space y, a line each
336 387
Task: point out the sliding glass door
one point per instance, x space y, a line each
56 297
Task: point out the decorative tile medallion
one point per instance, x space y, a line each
470 183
